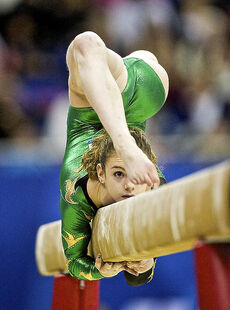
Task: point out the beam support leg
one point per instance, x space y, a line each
213 275
73 294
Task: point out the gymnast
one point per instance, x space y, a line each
105 160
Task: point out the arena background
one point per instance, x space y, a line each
190 38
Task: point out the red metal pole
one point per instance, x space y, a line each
213 275
89 295
70 293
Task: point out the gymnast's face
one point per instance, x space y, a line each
116 182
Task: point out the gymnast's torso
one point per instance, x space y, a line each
143 96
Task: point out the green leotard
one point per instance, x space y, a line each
143 97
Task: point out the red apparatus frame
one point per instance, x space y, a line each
212 268
70 293
212 264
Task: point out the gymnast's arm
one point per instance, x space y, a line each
94 74
76 234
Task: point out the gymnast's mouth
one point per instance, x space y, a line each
127 196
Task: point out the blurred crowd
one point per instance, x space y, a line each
190 38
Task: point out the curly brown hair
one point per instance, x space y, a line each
102 148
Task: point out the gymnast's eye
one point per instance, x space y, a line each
118 174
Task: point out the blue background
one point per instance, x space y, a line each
30 197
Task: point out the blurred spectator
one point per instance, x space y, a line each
128 22
8 5
56 123
202 54
13 122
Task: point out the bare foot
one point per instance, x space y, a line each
139 168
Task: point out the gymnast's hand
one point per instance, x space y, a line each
139 168
108 269
141 266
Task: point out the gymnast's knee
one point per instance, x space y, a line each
145 55
87 41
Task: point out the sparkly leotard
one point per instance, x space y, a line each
143 97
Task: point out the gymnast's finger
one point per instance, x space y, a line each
108 265
119 265
129 270
133 264
98 262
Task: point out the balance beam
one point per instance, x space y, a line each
168 220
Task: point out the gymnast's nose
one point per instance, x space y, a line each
129 186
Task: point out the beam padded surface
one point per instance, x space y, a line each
167 220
